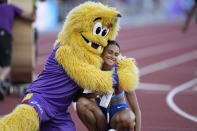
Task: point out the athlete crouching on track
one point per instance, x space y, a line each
121 117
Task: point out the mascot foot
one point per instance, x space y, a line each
23 118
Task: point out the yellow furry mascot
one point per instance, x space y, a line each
74 63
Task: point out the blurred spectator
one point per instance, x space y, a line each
7 14
103 1
156 5
177 8
139 5
36 35
190 14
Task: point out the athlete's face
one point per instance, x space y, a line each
110 55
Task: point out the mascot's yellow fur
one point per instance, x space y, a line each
86 31
77 37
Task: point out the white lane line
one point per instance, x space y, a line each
130 38
177 90
142 38
153 87
134 42
168 63
158 49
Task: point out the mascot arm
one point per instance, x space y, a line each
128 74
86 75
89 77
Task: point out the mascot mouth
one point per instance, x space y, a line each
92 44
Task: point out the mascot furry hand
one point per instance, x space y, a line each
75 61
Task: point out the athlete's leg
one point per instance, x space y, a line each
124 120
91 115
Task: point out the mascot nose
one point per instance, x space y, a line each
119 15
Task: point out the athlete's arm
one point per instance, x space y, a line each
133 103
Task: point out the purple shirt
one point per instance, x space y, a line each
54 85
7 14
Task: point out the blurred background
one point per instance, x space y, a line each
151 32
51 14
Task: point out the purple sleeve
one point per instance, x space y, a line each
115 80
115 77
17 10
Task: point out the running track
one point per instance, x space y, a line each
167 60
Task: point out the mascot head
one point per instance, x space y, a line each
87 29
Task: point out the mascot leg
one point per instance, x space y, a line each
23 118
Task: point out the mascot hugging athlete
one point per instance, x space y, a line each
74 63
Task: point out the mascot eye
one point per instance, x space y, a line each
97 28
105 31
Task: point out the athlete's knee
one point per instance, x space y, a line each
84 109
125 119
129 120
82 101
81 104
130 123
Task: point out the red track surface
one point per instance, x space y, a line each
167 59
